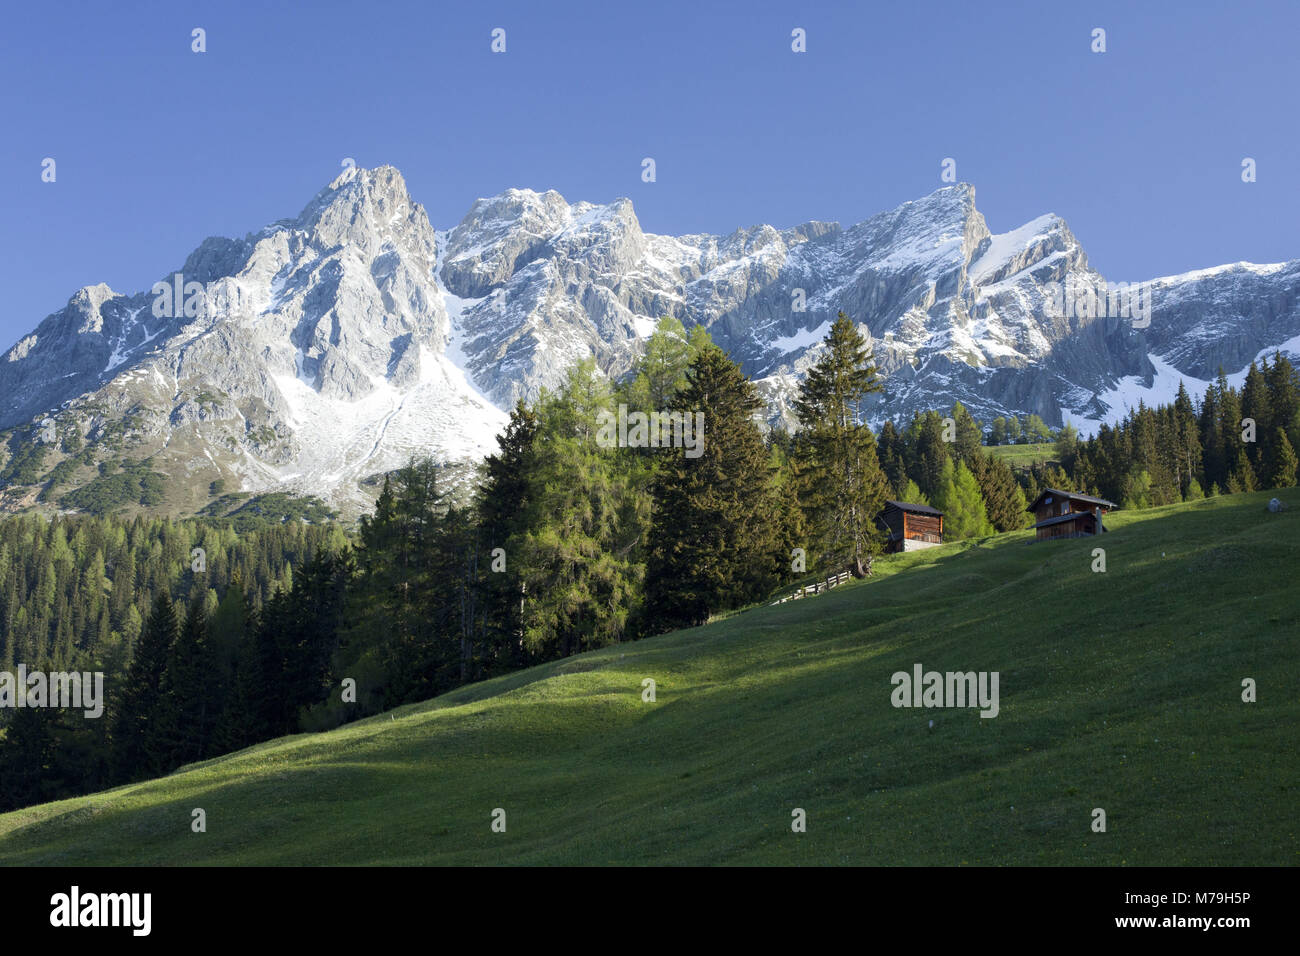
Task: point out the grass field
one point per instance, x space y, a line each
1022 456
1119 690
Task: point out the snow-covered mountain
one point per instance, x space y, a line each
326 349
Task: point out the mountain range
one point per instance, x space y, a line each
323 351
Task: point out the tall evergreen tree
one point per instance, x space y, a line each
1186 441
1004 501
1284 396
142 735
711 540
843 487
1255 406
967 435
1284 463
927 452
501 502
191 667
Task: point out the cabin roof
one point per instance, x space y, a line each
915 509
1072 516
1071 495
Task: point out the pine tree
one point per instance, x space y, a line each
843 485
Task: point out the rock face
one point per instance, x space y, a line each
329 348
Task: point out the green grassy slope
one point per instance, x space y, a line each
1022 456
1119 690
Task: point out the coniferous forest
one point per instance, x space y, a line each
214 633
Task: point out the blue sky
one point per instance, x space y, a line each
1139 148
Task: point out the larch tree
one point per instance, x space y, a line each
843 486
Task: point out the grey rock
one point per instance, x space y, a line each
333 345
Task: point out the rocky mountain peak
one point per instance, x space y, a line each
355 335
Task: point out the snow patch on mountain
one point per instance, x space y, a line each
361 335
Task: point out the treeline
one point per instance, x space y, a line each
1233 440
1019 430
79 594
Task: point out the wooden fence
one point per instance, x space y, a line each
817 587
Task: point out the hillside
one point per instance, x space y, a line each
1119 690
1022 456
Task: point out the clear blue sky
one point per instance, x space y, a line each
157 147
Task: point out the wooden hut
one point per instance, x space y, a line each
1068 514
909 527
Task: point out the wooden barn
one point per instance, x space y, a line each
910 527
1067 514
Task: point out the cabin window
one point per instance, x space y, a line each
1065 507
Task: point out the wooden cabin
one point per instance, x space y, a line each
1068 514
910 527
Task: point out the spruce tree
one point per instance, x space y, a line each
968 434
1255 406
27 751
189 679
501 503
1243 477
1187 441
1213 451
1284 396
1004 501
1284 464
928 452
141 737
712 544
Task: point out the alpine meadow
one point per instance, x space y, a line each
596 436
